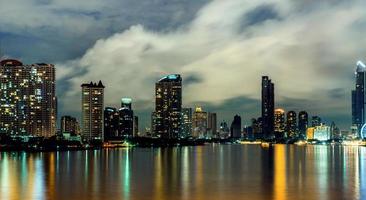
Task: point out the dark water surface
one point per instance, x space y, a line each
205 172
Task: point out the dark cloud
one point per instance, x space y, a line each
261 14
192 79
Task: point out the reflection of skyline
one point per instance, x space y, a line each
213 171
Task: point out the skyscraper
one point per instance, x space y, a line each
69 125
126 118
316 121
279 123
291 125
235 128
199 123
267 107
135 126
168 106
111 124
358 97
92 102
303 124
212 125
186 124
27 99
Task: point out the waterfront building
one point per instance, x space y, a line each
291 125
70 125
235 128
92 102
126 118
316 121
224 130
186 124
212 125
136 132
199 123
303 124
168 106
322 133
111 124
267 107
279 123
358 98
28 104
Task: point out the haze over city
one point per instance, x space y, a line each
221 49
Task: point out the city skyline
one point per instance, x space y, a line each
197 46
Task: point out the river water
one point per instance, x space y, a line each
204 172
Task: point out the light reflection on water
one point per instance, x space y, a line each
206 172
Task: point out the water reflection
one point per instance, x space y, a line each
206 172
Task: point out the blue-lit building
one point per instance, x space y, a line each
358 98
168 106
126 118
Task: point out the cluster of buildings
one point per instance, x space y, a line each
28 107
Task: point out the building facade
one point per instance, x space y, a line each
267 107
279 123
92 104
111 124
28 104
199 123
303 124
235 128
212 125
186 124
70 125
358 98
168 106
291 125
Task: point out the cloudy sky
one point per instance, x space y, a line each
309 48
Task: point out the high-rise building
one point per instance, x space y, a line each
92 102
111 124
358 98
267 107
303 124
291 125
257 128
153 133
212 125
135 126
316 121
199 123
224 130
186 124
28 104
70 125
235 128
126 118
279 123
168 106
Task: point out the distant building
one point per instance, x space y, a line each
135 126
126 118
279 123
224 130
316 121
257 128
111 124
322 133
199 123
28 104
310 133
358 98
186 124
70 125
303 124
291 124
267 107
235 128
168 106
92 102
212 125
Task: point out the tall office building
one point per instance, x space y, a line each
224 130
199 123
92 102
168 106
212 125
316 121
126 118
291 125
358 98
235 128
186 124
27 99
135 126
267 107
303 124
279 123
111 124
70 125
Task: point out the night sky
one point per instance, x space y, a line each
309 48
